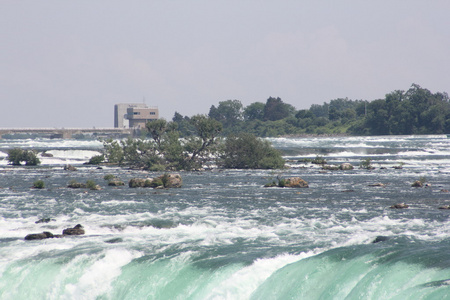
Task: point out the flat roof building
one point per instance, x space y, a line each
138 116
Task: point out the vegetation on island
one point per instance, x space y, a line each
163 148
415 111
17 156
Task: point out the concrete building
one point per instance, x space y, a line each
121 119
138 116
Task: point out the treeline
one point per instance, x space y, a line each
415 111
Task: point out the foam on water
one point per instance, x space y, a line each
224 236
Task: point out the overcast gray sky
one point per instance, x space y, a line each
66 63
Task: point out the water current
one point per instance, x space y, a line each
222 235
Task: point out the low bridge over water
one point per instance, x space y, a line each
67 133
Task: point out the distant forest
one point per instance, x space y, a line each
415 111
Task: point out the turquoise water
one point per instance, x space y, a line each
224 236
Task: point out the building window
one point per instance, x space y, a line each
136 113
152 113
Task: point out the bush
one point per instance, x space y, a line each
109 177
366 164
16 156
246 151
38 184
90 184
96 160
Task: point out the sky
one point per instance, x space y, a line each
64 64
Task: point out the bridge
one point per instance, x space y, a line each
67 133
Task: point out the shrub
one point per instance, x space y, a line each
38 184
109 177
319 160
246 151
90 184
96 160
16 156
366 164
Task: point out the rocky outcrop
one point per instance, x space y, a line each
116 182
295 182
346 166
378 184
417 183
76 230
163 181
171 180
139 182
76 185
330 167
69 168
400 205
39 236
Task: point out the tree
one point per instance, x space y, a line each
246 151
275 109
229 113
16 156
254 111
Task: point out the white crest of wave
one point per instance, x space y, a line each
245 281
96 280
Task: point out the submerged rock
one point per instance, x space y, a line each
400 205
44 220
380 238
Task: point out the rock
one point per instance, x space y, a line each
400 205
69 168
163 181
445 207
76 185
39 236
114 240
417 183
444 191
346 166
348 191
44 220
378 184
397 167
330 167
380 238
295 182
137 182
45 154
77 230
171 180
116 182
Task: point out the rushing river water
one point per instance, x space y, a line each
223 235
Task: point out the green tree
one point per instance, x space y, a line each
246 151
254 111
16 156
275 109
229 113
